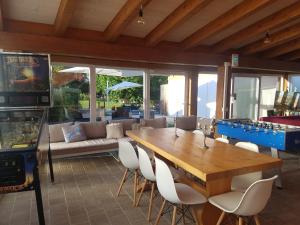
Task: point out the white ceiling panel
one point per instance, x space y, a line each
205 15
40 11
95 14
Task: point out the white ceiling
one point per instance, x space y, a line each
41 11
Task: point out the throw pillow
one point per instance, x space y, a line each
74 133
114 130
55 132
126 123
94 130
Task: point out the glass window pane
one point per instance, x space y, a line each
70 95
245 92
268 87
294 83
206 99
167 96
119 94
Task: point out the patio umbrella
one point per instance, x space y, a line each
105 71
123 85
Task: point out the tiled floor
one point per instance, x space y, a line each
84 194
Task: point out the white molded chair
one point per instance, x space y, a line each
250 203
224 140
242 182
130 161
199 132
148 173
174 193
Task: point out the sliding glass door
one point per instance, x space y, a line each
245 97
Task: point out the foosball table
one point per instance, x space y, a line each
278 137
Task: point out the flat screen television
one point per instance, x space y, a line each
24 80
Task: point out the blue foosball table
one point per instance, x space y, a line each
278 137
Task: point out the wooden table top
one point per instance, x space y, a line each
218 161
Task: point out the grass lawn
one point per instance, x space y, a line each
85 104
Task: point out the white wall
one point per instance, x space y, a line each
206 99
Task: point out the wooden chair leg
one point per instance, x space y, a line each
160 212
151 201
122 181
256 220
174 215
134 187
221 218
142 191
240 221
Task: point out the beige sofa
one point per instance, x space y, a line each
96 139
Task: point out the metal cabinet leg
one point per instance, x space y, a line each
275 154
38 197
50 165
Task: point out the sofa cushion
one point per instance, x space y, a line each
56 133
186 122
85 147
127 123
74 133
94 130
114 130
155 123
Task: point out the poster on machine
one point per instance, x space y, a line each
24 73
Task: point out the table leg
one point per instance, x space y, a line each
38 197
209 214
278 182
50 165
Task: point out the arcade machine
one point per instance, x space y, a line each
280 133
286 109
24 98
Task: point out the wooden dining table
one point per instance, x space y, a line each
214 166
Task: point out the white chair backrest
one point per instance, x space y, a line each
165 182
128 155
248 145
199 132
255 198
242 182
145 165
224 140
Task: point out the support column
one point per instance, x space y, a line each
220 92
191 93
93 97
146 94
223 91
285 82
186 103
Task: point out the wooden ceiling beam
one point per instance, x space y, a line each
239 12
283 49
292 56
97 49
284 16
64 16
1 16
127 13
103 50
187 9
277 38
133 65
